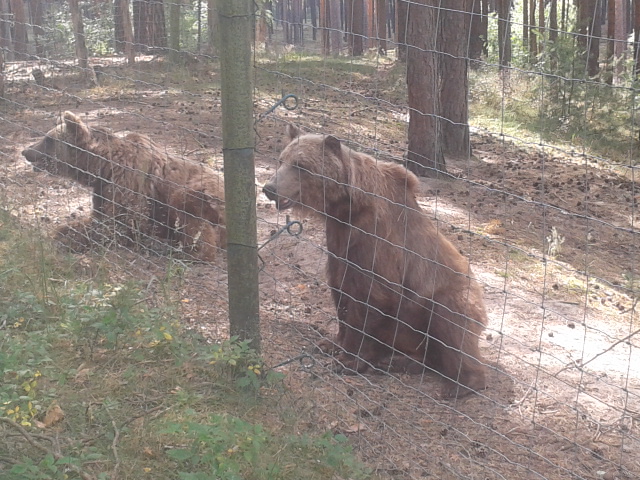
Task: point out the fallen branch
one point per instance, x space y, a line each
613 345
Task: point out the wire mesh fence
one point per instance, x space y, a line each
543 208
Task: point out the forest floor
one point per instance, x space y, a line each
564 390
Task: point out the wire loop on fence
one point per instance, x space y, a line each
289 228
284 101
306 361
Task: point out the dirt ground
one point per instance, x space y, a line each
564 390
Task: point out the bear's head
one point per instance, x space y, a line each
312 176
63 150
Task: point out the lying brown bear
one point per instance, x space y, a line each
138 188
405 296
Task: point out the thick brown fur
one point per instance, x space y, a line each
137 187
405 296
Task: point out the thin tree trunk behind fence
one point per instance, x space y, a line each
78 33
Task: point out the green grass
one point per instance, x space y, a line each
96 384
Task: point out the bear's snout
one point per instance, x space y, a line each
270 191
29 154
272 194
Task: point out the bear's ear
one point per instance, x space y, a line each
293 132
76 129
332 144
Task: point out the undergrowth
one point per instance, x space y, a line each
94 384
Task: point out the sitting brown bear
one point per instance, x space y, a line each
138 189
405 296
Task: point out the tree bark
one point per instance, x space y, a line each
330 15
381 26
617 33
453 30
37 20
129 47
212 26
402 12
525 26
149 23
296 22
533 39
5 31
174 29
636 36
313 9
478 36
354 18
424 156
20 40
553 21
78 33
504 32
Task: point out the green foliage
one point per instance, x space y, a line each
235 359
107 315
104 359
229 448
98 27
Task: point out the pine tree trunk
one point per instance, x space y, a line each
402 12
381 26
454 28
424 156
212 26
78 33
20 40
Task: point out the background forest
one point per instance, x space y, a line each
520 117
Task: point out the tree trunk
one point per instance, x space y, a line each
313 9
541 25
477 36
533 39
525 26
174 29
424 156
636 36
149 24
553 33
296 22
124 31
5 32
330 16
369 25
617 32
37 20
553 22
504 32
354 18
118 28
402 12
324 22
212 26
78 34
381 26
453 30
20 40
589 31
